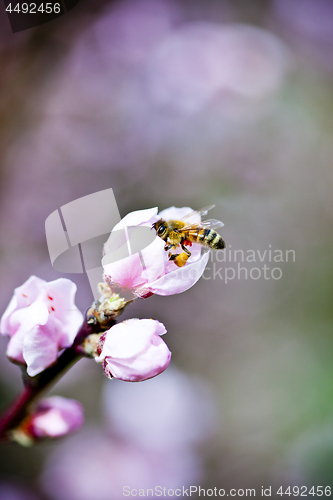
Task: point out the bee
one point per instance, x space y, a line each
182 233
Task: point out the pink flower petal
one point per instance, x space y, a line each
23 297
143 367
21 322
14 349
155 260
40 348
26 318
126 339
29 291
137 218
55 417
127 273
61 301
181 279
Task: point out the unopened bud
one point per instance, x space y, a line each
52 418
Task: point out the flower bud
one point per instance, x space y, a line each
52 418
134 351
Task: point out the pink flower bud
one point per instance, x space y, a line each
40 319
152 272
133 350
54 417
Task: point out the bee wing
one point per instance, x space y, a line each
201 212
212 224
206 224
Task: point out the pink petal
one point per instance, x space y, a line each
55 417
40 348
155 260
23 297
147 365
137 218
5 326
15 347
116 246
181 279
126 339
21 322
27 293
60 297
126 272
28 317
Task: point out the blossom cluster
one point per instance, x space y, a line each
42 319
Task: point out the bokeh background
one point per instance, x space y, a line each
184 103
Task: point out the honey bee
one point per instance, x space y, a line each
181 233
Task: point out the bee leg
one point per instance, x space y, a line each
172 256
168 247
186 250
180 259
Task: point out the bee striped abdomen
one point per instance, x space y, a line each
217 242
210 238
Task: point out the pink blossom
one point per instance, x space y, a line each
134 351
152 272
40 319
55 417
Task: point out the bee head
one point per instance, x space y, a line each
160 227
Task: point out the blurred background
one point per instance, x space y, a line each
184 103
